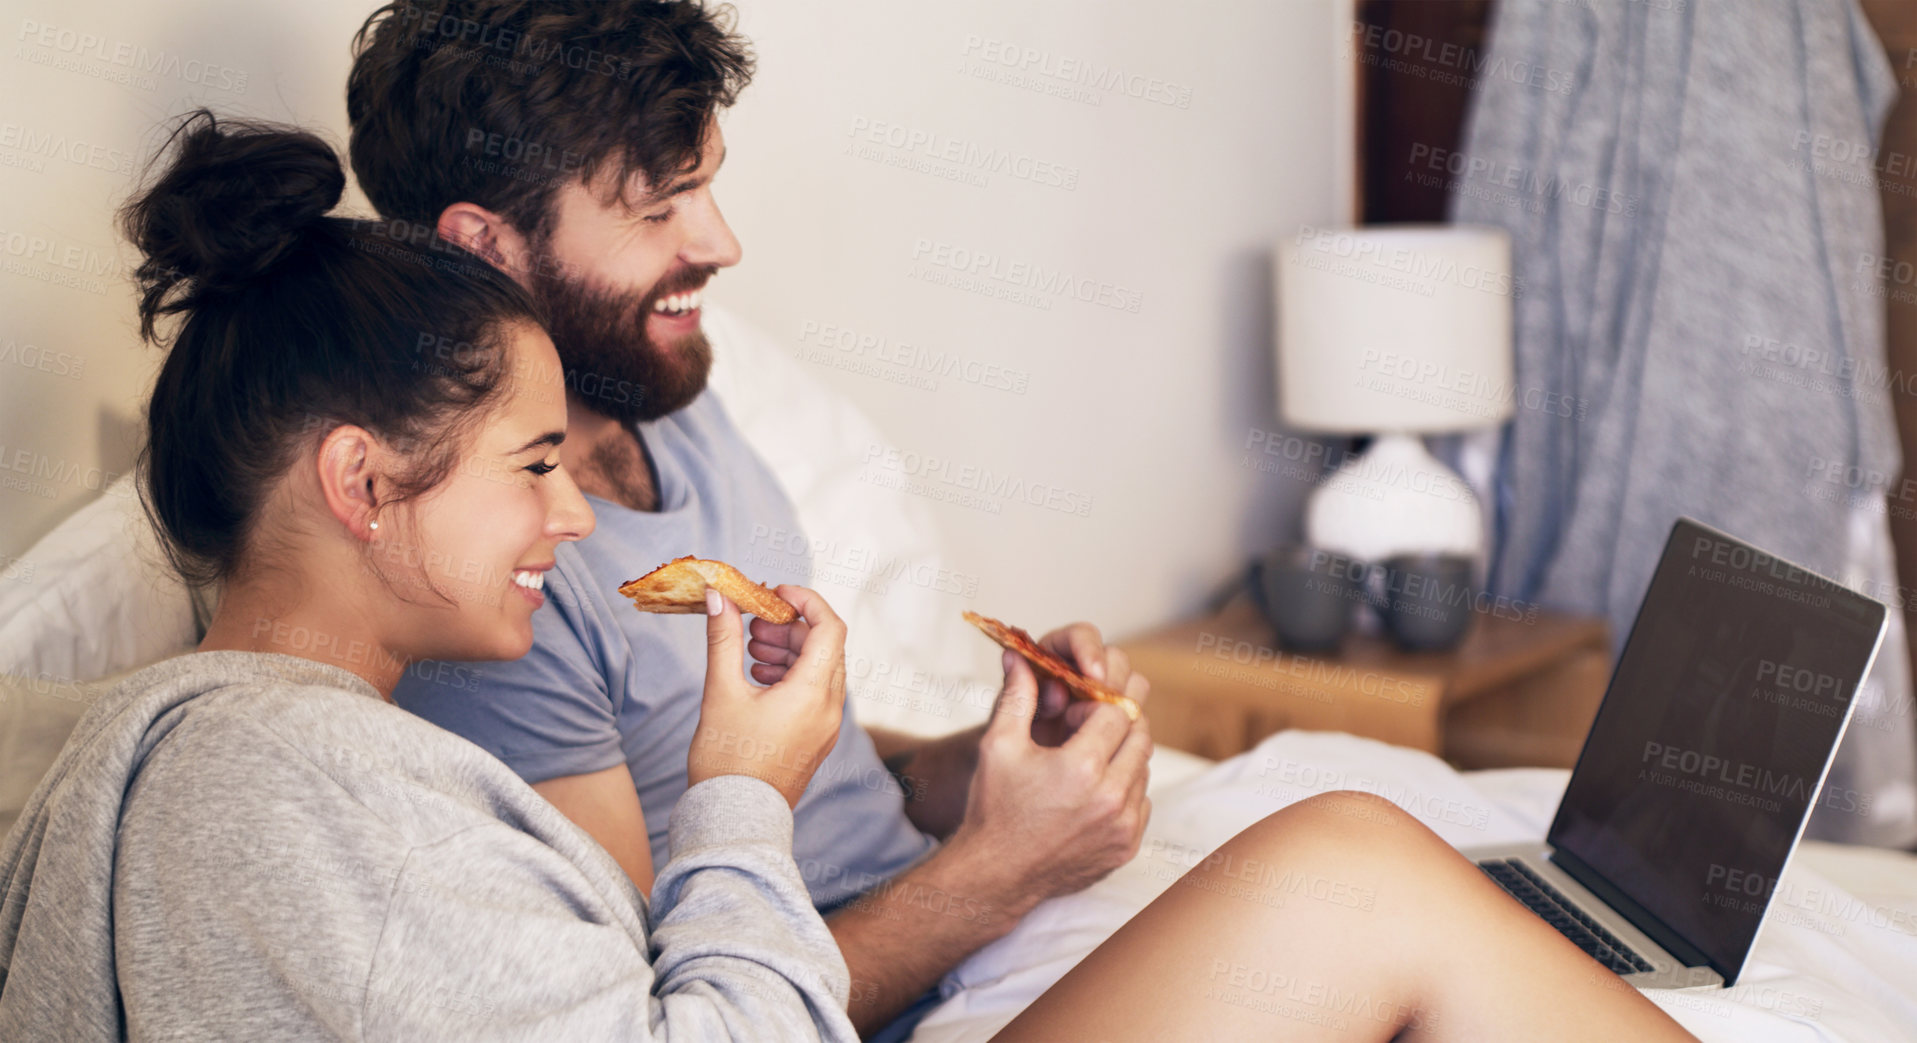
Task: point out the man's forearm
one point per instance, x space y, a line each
936 774
902 936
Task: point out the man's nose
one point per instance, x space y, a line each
712 242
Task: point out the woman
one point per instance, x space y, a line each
356 438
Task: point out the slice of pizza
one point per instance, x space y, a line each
680 586
1050 665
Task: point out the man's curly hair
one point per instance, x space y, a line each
502 102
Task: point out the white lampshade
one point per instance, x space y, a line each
1398 328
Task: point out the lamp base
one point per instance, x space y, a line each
1395 499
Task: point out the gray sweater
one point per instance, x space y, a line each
250 846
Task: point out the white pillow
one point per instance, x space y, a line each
877 554
99 599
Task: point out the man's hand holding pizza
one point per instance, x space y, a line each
1053 783
1057 800
1044 799
1049 793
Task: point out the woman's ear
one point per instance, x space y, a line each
352 478
488 235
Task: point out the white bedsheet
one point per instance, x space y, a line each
1830 965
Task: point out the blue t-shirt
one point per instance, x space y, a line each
606 684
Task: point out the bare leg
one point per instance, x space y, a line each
1339 918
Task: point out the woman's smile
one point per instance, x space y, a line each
530 581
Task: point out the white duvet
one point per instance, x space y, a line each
1831 964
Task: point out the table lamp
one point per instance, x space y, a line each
1395 331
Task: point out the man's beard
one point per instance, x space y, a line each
612 365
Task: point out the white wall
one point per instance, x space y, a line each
1143 413
1134 418
82 104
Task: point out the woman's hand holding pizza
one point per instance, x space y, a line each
782 733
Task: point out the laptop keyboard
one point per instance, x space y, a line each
1537 894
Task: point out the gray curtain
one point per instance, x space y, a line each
1695 223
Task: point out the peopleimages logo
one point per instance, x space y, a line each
515 50
877 570
971 160
1318 673
1744 559
1385 44
39 248
903 362
1461 389
921 470
27 470
1692 771
45 360
71 44
1065 69
1024 278
1801 679
1402 267
1800 365
515 158
76 151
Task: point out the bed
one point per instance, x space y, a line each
1837 961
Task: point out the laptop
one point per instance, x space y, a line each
1703 764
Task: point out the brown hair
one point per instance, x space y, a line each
292 322
502 102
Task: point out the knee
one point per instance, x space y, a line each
1344 811
1342 825
1350 805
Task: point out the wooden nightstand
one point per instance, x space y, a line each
1514 693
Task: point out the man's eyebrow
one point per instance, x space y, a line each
681 186
549 438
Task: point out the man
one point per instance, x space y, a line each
575 145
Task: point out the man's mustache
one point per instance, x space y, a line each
684 280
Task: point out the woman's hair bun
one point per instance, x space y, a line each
233 199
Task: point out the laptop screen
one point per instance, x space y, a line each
1711 745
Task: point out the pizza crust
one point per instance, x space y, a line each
680 586
1050 665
